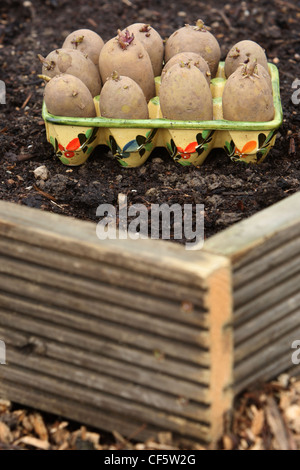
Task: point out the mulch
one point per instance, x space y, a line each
266 418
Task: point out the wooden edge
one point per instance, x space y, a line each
70 235
243 236
221 347
207 270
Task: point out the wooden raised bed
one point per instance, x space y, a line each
144 336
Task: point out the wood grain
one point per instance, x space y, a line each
119 331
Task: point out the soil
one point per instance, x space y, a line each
230 191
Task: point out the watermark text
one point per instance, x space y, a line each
159 221
2 92
296 94
296 354
2 352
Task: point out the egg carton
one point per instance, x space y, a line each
131 141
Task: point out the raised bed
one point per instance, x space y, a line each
144 336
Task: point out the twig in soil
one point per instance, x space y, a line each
289 5
287 74
12 157
135 433
287 41
169 187
92 22
57 205
223 16
48 196
26 101
145 200
126 441
292 148
23 157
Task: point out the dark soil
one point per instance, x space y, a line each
230 191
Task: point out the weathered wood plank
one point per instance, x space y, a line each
264 252
272 242
259 268
30 396
271 297
61 388
108 390
274 276
156 358
268 371
158 258
269 354
109 275
264 336
293 371
36 303
112 332
251 328
281 222
88 297
136 374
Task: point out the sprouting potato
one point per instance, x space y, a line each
128 57
86 41
152 42
185 94
189 57
66 95
74 63
243 52
247 95
195 39
122 98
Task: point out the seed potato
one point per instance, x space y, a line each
122 98
86 41
185 94
66 95
195 39
74 63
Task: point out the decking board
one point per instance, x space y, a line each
265 256
95 323
144 335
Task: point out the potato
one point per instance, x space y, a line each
74 63
122 98
66 95
86 41
244 51
151 41
247 96
264 73
128 57
195 39
192 58
185 94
